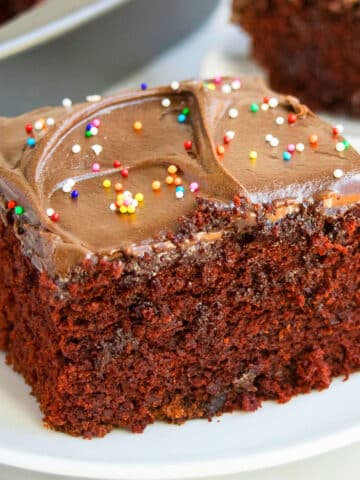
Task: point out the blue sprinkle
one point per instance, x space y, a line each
287 156
89 126
31 142
74 194
181 118
144 86
179 188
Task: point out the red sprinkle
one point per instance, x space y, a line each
335 131
266 100
117 164
227 139
55 217
28 128
292 118
188 144
124 172
11 204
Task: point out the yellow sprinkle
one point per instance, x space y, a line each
253 155
169 180
106 184
131 209
139 197
210 86
137 126
156 185
120 197
172 169
123 209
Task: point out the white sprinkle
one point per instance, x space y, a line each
66 102
76 148
174 85
300 147
274 142
71 182
50 212
66 188
230 134
264 107
233 113
97 148
127 195
112 207
268 137
273 102
338 173
93 98
236 84
165 102
226 88
94 131
340 128
280 120
50 121
39 125
134 202
340 147
179 194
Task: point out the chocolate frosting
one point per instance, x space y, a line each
248 167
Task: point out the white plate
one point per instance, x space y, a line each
273 435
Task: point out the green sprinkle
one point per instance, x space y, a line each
186 111
254 107
88 133
19 210
346 144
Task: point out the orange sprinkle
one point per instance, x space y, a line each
156 185
313 139
172 169
220 149
137 126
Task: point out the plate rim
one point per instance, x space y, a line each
175 470
230 462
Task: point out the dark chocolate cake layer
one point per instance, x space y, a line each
176 253
309 48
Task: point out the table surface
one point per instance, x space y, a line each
181 62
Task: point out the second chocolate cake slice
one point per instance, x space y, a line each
310 48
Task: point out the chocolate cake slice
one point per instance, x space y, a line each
11 8
310 48
176 253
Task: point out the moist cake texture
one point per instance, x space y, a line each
308 47
176 253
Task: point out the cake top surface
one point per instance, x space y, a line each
114 172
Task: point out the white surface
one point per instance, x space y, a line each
305 426
275 434
47 21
